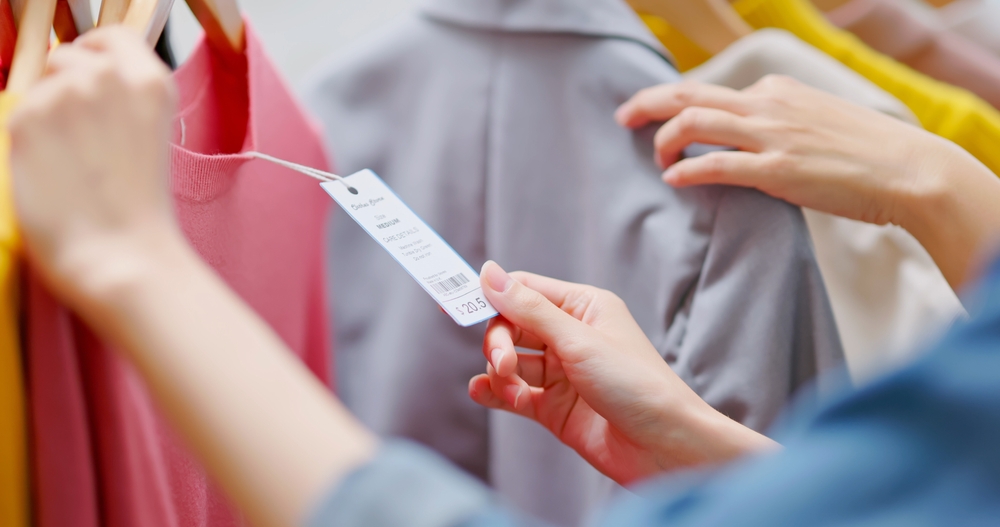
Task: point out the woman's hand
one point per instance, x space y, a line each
599 384
89 153
812 149
89 157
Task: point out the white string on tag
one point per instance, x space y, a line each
314 173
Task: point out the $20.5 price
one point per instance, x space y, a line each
471 307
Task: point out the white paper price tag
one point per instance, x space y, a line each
441 271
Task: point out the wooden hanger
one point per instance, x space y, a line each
711 24
8 38
112 12
221 21
33 30
148 17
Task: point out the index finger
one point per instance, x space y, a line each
565 295
663 102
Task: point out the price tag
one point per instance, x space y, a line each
441 271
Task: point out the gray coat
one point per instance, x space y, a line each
494 120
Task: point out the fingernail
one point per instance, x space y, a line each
621 114
495 357
669 175
496 277
513 394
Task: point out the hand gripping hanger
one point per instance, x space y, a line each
711 24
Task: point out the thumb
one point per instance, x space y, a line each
528 309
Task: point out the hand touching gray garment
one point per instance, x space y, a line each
887 293
494 120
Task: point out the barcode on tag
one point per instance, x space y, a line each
439 270
450 283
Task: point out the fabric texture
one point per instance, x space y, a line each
917 447
889 28
976 20
103 454
950 112
13 433
494 121
886 291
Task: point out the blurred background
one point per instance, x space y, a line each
298 34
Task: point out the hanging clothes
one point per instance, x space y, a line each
889 28
887 293
104 455
494 121
950 112
13 433
976 20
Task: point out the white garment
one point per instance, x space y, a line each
776 51
887 294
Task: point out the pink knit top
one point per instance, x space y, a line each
103 455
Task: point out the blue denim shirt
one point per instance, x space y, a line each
918 447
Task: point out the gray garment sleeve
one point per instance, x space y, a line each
757 325
407 485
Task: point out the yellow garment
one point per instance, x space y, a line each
13 446
687 54
945 110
